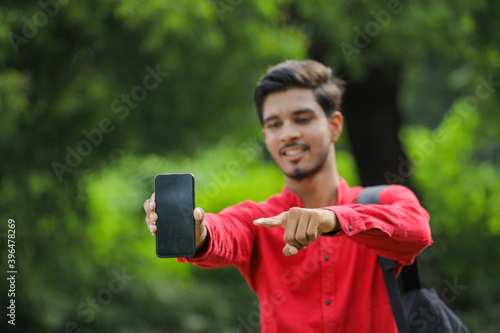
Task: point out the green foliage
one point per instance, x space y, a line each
113 237
460 191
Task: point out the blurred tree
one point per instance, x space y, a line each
461 192
85 84
402 60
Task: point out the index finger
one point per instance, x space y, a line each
270 222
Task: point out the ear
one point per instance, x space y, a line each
336 121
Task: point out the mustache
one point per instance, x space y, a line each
293 144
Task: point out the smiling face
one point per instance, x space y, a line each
298 134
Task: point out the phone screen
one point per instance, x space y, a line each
174 196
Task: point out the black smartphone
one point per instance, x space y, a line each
174 197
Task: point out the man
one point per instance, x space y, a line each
328 278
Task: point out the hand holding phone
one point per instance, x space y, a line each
174 201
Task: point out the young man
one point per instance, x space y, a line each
310 253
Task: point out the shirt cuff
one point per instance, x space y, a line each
350 223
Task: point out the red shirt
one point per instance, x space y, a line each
335 284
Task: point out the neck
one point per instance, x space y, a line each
320 189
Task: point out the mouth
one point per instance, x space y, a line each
293 152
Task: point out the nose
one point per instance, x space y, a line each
289 132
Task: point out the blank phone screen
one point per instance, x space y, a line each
174 196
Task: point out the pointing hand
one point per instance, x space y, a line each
302 226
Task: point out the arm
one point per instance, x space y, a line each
229 242
398 228
221 239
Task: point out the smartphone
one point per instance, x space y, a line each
174 196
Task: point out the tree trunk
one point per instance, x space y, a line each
373 122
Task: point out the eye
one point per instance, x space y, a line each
303 120
274 124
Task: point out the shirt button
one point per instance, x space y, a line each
328 302
350 228
327 258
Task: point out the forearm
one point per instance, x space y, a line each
398 228
226 242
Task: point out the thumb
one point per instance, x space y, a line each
199 215
275 221
290 250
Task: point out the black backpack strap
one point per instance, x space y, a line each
410 277
370 195
388 266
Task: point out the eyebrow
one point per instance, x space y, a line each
294 113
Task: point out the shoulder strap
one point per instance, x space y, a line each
410 276
370 195
388 266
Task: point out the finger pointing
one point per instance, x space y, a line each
274 221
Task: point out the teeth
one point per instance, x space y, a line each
292 152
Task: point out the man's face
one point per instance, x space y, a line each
297 133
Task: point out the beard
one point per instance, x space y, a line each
300 173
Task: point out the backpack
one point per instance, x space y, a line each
419 310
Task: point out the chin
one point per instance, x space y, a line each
298 173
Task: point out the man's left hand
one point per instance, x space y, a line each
302 226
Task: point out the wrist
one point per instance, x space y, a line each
202 241
335 226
